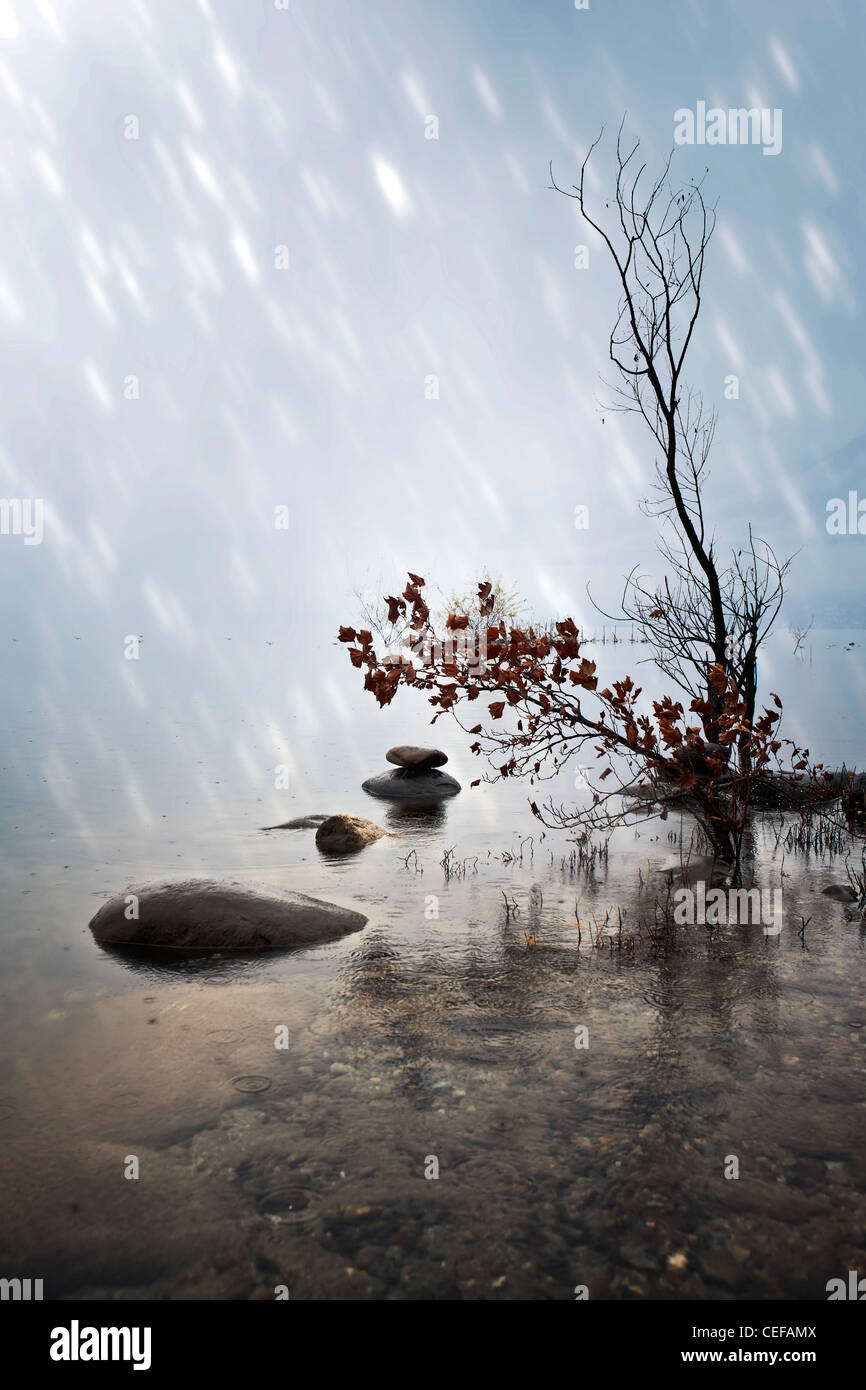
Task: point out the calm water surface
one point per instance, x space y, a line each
436 1036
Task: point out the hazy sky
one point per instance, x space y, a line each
231 259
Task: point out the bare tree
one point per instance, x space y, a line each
702 616
534 696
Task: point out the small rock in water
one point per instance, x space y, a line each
639 1258
811 1169
299 823
722 1267
840 893
407 755
342 834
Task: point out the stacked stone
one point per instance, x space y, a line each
416 776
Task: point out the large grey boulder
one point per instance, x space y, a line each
344 834
201 915
404 784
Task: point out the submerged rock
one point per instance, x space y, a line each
201 915
407 755
299 823
405 784
342 834
840 893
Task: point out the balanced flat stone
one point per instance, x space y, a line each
201 915
407 755
344 834
404 784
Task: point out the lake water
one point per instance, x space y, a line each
438 1037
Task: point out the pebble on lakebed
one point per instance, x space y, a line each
201 915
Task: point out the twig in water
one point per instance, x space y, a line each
413 854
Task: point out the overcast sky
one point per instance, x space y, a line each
232 259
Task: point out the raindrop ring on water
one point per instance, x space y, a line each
249 1085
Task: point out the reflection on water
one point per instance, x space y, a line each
417 817
435 1038
444 1038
